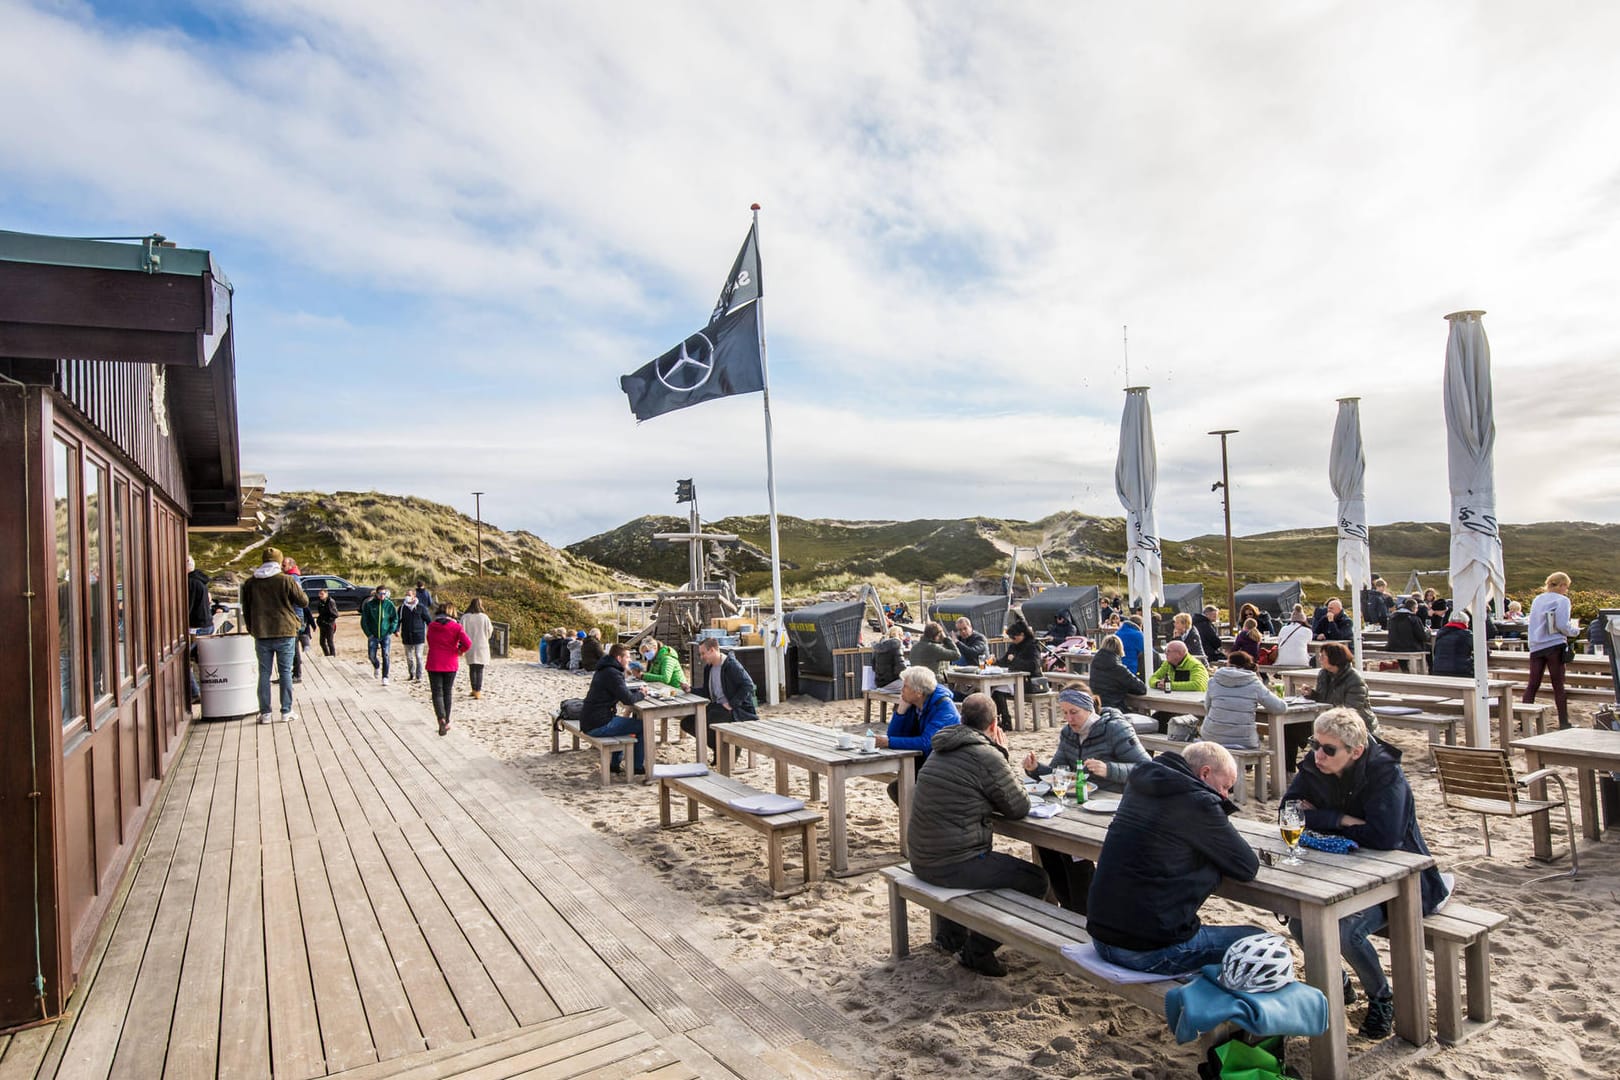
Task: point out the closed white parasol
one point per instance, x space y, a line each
1347 472
1136 476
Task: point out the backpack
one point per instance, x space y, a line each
570 709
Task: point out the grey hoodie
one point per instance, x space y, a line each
1230 702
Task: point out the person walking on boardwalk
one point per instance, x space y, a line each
414 617
446 641
270 604
379 621
479 629
326 617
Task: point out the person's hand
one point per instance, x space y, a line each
881 741
726 707
1306 804
1030 764
997 736
1095 766
1346 819
686 688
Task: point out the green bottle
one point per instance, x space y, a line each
1080 775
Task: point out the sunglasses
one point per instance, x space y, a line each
1327 748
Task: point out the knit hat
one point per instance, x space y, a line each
1076 697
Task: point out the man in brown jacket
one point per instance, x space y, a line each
270 605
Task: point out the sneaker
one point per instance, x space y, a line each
1380 1020
986 964
298 678
385 680
286 716
375 672
264 718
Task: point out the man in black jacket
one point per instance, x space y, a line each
1333 624
1168 848
1206 623
325 610
200 608
599 716
1352 784
1407 631
727 685
970 643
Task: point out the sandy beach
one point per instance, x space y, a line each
1556 991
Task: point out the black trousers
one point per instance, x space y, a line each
442 685
328 639
992 870
475 675
1070 878
713 714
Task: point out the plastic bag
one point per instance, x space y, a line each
1236 1059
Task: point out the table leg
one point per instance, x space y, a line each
1591 812
837 824
700 724
722 749
1540 826
908 783
1330 1059
1408 970
1504 711
815 786
649 749
1018 706
781 777
1276 736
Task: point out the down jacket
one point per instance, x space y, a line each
1112 681
914 729
888 659
1346 687
1167 849
1109 738
1230 702
608 688
965 780
1453 650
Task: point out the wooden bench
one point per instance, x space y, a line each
1259 758
716 792
887 700
1460 938
1435 725
1029 925
1036 703
606 745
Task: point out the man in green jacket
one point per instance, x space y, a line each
379 619
1183 669
965 780
271 604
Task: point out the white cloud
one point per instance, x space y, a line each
514 203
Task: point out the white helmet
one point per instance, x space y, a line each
1257 964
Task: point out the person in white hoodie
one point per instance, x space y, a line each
1294 641
1234 695
1550 625
479 629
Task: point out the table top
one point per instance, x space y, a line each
1192 702
1397 680
1323 878
1594 743
685 701
807 745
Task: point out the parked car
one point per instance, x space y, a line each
349 597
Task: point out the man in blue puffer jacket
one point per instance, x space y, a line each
928 707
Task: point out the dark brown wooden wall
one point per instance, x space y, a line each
116 400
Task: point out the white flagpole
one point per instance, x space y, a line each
775 644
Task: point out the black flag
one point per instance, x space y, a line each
718 361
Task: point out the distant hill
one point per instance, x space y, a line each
823 555
372 538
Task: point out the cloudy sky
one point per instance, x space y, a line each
451 227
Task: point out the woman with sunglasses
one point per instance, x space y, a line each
1352 785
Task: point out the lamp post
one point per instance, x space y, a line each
478 513
1226 502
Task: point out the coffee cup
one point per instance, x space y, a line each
869 743
846 741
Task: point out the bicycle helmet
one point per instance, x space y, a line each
1257 965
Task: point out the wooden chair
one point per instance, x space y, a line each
1481 781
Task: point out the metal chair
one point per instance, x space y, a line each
1481 781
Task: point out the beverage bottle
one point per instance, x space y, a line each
1080 776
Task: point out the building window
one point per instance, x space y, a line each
137 579
123 590
95 503
66 487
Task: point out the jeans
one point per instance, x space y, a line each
1207 946
442 684
375 646
1549 661
281 649
413 659
625 725
195 694
475 675
1358 951
992 870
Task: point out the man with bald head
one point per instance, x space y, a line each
1184 670
1167 849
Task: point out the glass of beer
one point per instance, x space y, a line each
1060 783
1291 820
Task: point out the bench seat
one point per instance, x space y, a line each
606 745
717 792
1259 758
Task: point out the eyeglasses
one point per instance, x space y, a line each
1327 748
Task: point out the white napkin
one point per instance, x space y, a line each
1044 809
687 768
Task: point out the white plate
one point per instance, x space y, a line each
1100 806
1041 788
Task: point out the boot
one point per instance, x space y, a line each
477 694
1349 990
983 963
1380 1020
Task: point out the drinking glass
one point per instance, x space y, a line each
1291 821
1060 784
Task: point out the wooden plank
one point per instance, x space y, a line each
25 1051
459 1059
244 1015
340 1013
295 1036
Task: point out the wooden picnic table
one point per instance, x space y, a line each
1320 892
1586 750
1192 703
815 749
1077 661
653 709
984 680
1377 656
1451 686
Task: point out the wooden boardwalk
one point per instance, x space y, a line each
350 894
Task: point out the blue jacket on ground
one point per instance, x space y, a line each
1130 636
1204 1005
914 729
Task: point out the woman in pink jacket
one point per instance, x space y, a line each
446 641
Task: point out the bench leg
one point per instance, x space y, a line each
663 804
899 932
1240 790
773 855
607 765
691 810
1477 957
812 853
556 738
1447 991
1262 790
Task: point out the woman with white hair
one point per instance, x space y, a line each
926 708
1351 785
1550 624
1294 641
888 658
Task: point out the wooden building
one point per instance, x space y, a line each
117 430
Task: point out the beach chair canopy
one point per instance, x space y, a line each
820 628
1083 603
988 614
1187 599
1277 597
